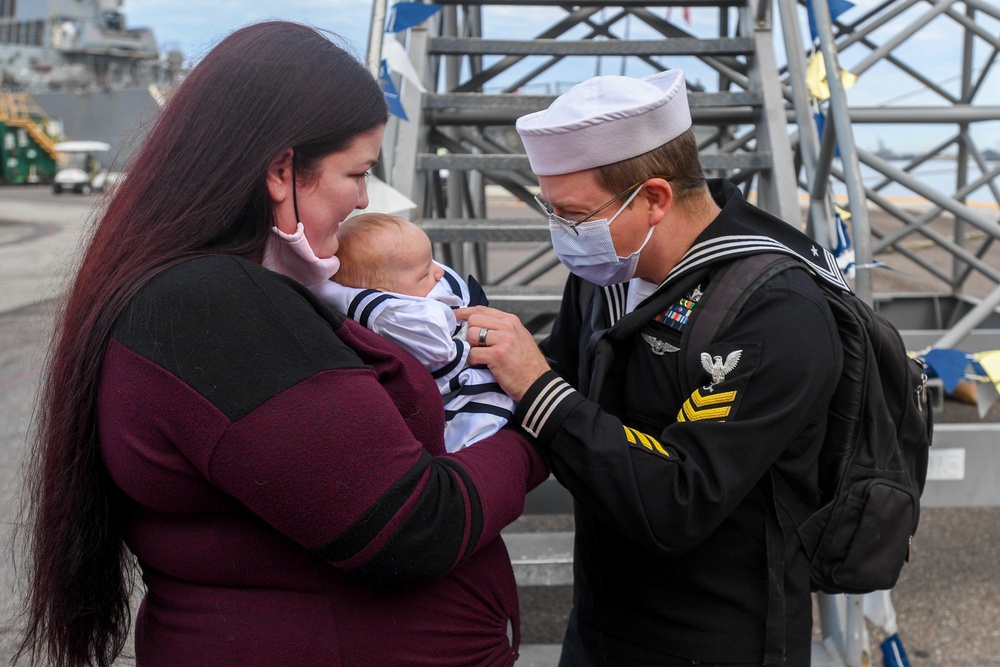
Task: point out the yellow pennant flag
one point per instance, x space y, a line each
990 361
816 83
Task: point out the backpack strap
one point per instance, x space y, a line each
774 541
727 294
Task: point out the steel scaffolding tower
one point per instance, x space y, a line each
478 86
958 108
752 111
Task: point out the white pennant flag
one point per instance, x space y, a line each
383 198
395 57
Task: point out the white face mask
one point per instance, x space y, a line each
291 255
588 251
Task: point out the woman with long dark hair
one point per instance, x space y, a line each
277 472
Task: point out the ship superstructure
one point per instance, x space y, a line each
86 68
75 45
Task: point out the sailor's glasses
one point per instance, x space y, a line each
572 224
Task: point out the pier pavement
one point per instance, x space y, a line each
947 600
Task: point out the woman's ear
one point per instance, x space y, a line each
279 176
660 195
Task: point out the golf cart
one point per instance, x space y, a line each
80 169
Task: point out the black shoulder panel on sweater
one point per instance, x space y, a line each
235 332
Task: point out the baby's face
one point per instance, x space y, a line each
415 273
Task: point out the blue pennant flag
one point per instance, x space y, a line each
843 241
893 652
820 118
405 15
949 365
389 90
837 7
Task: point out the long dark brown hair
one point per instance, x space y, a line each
196 187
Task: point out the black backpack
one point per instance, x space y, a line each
873 463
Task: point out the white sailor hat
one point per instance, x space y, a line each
605 120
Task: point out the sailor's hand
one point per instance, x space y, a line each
500 342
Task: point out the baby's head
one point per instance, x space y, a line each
385 252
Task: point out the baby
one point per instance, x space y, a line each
389 282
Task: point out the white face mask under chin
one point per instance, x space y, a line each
589 252
291 255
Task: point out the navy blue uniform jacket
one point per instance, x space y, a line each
670 481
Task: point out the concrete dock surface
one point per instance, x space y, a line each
947 600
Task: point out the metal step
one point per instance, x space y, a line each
505 108
529 103
677 46
503 230
525 301
596 3
503 163
541 559
539 655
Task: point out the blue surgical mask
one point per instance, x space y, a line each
588 251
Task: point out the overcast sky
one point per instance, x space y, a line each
194 26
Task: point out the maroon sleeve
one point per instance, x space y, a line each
321 429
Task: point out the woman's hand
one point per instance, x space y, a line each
506 348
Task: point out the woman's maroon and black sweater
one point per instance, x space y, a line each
288 493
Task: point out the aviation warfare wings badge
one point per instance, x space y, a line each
659 347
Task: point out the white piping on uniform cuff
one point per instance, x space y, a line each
544 404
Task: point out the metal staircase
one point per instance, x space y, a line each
753 115
463 127
19 110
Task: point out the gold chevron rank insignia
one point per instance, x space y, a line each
710 406
639 438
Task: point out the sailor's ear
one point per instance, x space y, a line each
660 195
279 176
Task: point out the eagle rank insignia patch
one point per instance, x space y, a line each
706 404
718 368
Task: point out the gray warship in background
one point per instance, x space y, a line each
76 71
